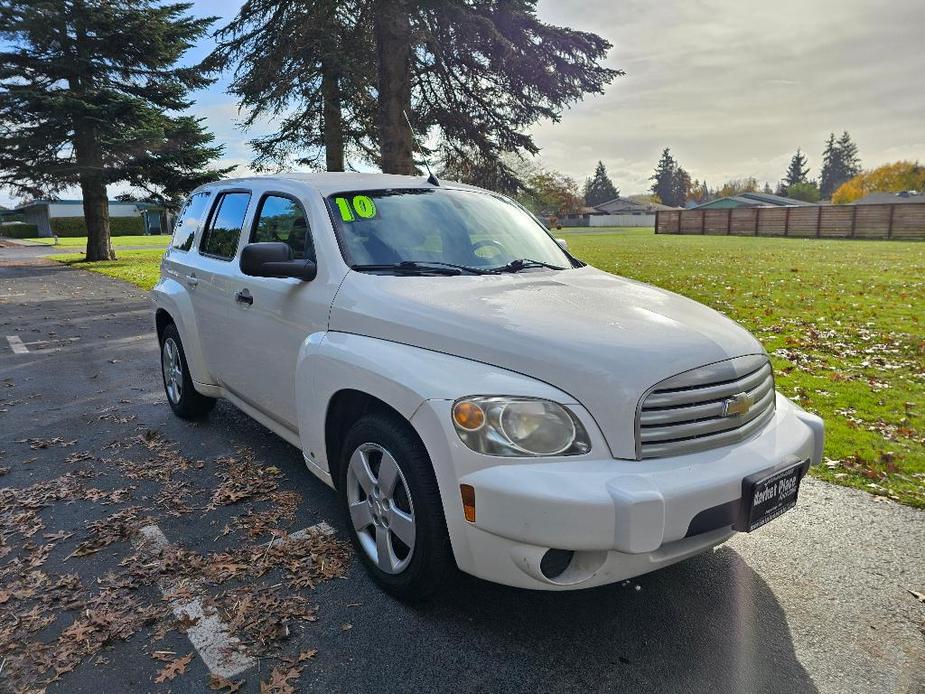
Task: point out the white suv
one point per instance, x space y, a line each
476 395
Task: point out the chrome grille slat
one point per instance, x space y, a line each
705 443
673 398
686 430
687 413
684 413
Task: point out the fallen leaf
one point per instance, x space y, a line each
224 684
917 595
174 668
279 681
308 654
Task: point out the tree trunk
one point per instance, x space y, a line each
93 188
393 47
333 119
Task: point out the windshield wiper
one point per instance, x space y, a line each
524 263
422 267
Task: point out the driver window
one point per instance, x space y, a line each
283 220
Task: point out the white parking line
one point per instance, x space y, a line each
216 645
16 344
218 648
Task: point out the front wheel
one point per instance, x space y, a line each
181 395
392 506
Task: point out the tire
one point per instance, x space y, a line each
182 397
416 561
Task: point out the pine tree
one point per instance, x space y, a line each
681 187
86 89
478 74
831 174
310 67
767 189
851 162
796 172
599 188
840 163
663 180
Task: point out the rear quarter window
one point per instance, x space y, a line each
187 223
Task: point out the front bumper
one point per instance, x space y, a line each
620 518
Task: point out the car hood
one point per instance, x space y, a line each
604 340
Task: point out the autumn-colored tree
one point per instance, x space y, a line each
737 186
551 193
889 178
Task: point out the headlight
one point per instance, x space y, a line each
519 427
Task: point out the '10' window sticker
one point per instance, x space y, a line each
361 206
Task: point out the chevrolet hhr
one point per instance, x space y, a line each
477 396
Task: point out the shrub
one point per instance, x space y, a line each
71 227
19 231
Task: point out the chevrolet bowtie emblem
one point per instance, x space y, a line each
738 404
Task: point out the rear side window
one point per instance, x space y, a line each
281 218
220 239
188 221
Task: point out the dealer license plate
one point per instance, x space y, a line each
769 494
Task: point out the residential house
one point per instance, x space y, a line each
60 217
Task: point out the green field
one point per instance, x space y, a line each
117 241
844 322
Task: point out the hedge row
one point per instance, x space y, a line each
19 231
71 227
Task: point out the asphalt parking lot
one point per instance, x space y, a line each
138 551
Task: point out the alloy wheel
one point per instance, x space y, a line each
173 370
380 507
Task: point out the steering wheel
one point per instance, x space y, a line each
496 247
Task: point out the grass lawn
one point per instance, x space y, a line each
117 241
844 322
142 268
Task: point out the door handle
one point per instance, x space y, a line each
192 280
244 297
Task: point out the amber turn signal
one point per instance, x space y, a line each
467 491
468 415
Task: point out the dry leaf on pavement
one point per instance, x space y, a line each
174 668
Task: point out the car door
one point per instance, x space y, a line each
273 316
213 297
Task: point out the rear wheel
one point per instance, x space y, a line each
181 395
392 506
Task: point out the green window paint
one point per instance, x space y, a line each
345 212
364 206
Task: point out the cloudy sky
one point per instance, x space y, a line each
732 86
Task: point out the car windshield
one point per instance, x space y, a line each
461 228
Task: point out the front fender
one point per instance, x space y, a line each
173 297
398 374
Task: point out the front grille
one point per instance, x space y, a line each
687 412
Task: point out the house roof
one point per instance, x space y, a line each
906 196
754 200
618 205
776 200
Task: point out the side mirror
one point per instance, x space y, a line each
274 259
563 244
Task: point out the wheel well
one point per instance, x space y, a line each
344 409
162 319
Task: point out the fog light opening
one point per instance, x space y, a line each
555 562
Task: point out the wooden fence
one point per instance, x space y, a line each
902 221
